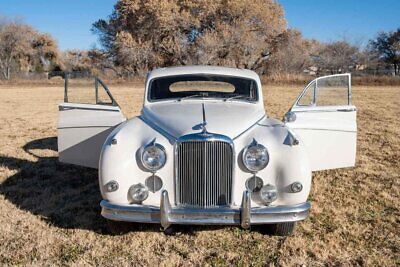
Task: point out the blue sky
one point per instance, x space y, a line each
356 20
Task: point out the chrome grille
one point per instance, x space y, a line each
204 173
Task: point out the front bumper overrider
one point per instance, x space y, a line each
167 215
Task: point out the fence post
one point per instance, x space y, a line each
66 87
96 87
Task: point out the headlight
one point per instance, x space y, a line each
255 157
268 194
138 193
153 157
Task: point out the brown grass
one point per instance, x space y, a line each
49 212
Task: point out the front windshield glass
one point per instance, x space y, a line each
202 86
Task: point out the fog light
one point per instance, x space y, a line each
254 184
138 193
111 186
153 183
296 187
268 194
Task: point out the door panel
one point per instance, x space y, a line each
326 124
83 128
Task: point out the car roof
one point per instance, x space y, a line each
216 70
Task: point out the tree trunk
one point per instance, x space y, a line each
8 73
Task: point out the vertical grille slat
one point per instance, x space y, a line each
204 173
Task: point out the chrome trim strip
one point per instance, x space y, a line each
98 107
168 215
321 129
81 127
264 116
158 128
299 110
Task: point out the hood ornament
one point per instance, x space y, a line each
204 123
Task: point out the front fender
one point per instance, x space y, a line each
119 161
288 163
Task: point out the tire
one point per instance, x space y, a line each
171 231
283 229
119 228
278 229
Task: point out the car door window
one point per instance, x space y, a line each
86 89
307 99
327 91
332 91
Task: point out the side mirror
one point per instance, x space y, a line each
289 117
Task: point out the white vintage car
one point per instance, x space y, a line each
203 150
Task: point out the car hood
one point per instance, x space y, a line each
186 117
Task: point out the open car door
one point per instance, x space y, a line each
324 119
83 128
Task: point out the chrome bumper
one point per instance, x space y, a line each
166 215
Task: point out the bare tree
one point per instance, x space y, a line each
387 47
14 44
292 53
141 35
23 48
45 52
336 57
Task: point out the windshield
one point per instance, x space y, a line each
202 86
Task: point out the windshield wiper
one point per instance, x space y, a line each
191 96
237 97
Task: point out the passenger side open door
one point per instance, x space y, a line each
324 120
83 128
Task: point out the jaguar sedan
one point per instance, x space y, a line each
204 150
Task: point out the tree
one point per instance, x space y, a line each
387 47
141 35
87 62
292 54
14 45
45 52
336 57
23 48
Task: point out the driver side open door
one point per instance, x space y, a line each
83 128
324 120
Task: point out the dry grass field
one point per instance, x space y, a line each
50 215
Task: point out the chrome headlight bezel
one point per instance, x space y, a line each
264 164
145 164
